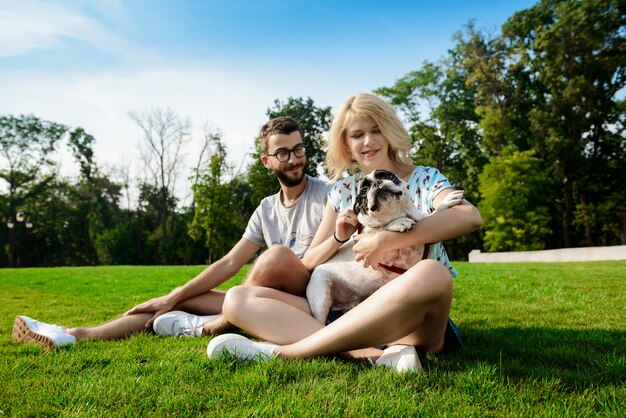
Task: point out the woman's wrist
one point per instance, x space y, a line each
340 241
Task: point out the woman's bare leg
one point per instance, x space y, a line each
277 268
270 314
412 309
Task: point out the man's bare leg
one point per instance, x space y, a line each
206 304
277 268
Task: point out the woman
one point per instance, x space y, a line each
411 310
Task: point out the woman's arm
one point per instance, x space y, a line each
324 244
440 226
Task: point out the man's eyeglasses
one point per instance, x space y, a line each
283 155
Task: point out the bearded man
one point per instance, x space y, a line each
285 223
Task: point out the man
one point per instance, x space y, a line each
285 222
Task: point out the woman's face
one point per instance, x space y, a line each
366 143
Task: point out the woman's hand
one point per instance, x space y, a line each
157 306
370 248
345 225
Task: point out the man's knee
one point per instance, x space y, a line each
279 268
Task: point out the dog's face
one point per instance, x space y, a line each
382 197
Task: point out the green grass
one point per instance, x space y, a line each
541 339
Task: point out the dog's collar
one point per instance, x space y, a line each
400 270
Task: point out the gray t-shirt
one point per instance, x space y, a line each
272 223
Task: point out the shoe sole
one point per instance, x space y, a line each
222 346
218 346
23 334
402 360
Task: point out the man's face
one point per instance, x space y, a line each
291 172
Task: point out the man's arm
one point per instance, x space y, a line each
218 272
214 275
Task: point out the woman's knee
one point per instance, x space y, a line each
233 300
429 277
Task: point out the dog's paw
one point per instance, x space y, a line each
400 224
452 199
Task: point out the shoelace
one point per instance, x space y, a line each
188 329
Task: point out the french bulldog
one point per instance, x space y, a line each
382 203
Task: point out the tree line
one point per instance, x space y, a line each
528 121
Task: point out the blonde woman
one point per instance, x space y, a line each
407 313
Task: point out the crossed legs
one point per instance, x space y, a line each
278 268
412 309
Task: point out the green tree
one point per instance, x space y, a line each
513 204
95 200
576 52
165 134
222 203
550 84
27 168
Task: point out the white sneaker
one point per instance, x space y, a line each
27 330
402 358
180 324
240 347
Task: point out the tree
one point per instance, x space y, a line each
222 203
164 136
26 166
550 84
576 52
513 204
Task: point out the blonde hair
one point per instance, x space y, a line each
370 106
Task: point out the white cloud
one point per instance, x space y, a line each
31 25
233 103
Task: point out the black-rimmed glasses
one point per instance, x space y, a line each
283 155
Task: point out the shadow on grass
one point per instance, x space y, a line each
578 358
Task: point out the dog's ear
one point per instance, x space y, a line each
360 202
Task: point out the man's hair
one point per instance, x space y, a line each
283 125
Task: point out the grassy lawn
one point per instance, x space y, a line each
544 339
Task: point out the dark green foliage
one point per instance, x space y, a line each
549 84
513 204
222 204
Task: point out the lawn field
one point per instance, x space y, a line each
542 339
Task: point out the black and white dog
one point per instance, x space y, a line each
382 203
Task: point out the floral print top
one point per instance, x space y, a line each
424 184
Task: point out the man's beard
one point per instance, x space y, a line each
287 180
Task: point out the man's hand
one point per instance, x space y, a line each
158 306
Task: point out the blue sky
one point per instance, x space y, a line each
89 62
